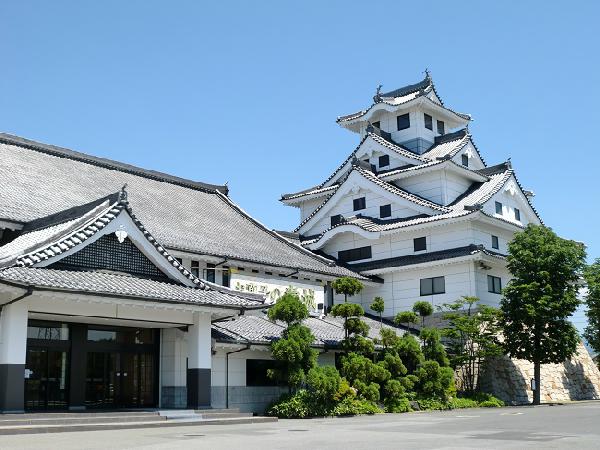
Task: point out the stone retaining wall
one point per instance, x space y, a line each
576 379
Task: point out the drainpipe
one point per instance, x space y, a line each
227 373
20 297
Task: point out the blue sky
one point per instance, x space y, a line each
248 92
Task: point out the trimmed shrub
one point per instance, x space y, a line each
291 406
350 407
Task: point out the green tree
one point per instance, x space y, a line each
378 306
592 300
472 335
433 349
293 352
347 286
355 330
409 350
423 309
405 317
435 381
540 298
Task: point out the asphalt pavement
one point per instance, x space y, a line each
574 425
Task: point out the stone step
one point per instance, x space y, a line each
217 410
71 414
35 429
76 420
223 415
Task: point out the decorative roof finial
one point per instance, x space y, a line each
123 193
427 73
370 128
509 163
377 96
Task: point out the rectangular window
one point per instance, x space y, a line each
377 124
428 122
210 273
498 208
195 268
385 211
433 286
420 244
384 161
494 284
495 243
51 331
465 160
360 203
336 219
403 121
440 127
101 335
256 372
226 276
517 214
354 254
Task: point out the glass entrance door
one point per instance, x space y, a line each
120 379
45 379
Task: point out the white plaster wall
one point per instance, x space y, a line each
237 365
173 356
427 185
307 207
489 298
401 289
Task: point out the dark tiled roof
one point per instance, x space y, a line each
405 95
409 89
328 331
117 285
41 180
408 260
64 231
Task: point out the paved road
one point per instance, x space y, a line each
573 425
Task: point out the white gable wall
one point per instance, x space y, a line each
511 199
345 207
475 162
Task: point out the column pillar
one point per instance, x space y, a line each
199 362
13 349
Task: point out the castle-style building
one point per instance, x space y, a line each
415 206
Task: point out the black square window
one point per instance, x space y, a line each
336 219
384 161
428 122
403 121
494 284
433 286
440 127
377 124
517 214
385 211
256 372
360 203
210 273
465 160
226 276
495 243
195 268
354 254
420 244
498 208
